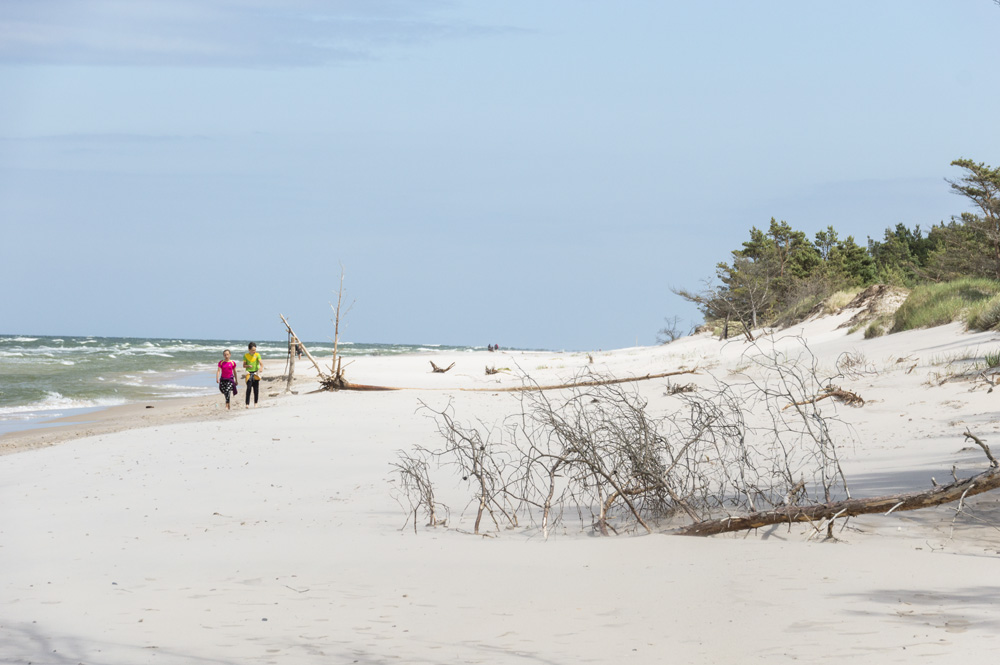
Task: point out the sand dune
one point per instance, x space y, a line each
185 534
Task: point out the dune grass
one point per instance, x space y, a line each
839 300
965 300
984 315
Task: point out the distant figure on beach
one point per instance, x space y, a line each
225 376
490 347
253 364
298 350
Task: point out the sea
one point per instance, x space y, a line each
43 378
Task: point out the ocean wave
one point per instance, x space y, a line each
19 339
54 400
141 353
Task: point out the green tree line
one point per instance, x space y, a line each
780 274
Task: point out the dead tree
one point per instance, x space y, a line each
415 485
483 464
337 380
596 449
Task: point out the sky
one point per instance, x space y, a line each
535 174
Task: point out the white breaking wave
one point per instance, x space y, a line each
54 400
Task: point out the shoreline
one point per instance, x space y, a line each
49 377
107 420
124 417
170 410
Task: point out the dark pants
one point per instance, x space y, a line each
253 385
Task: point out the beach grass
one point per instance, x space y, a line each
932 305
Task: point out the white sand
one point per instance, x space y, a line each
271 535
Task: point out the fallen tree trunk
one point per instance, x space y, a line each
936 496
357 387
585 384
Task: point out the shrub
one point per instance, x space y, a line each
875 329
993 359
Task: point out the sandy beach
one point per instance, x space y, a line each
184 533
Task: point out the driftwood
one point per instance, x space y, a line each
845 396
304 349
357 387
440 370
293 350
584 384
528 388
490 371
936 496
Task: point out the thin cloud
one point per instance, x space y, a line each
219 33
106 138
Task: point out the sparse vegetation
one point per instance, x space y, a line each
671 331
937 304
878 327
839 300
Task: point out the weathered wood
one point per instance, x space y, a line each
293 346
845 396
304 349
586 384
440 370
936 496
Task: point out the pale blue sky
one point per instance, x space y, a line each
536 174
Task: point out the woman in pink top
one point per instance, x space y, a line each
225 376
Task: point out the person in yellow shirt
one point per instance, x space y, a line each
254 365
